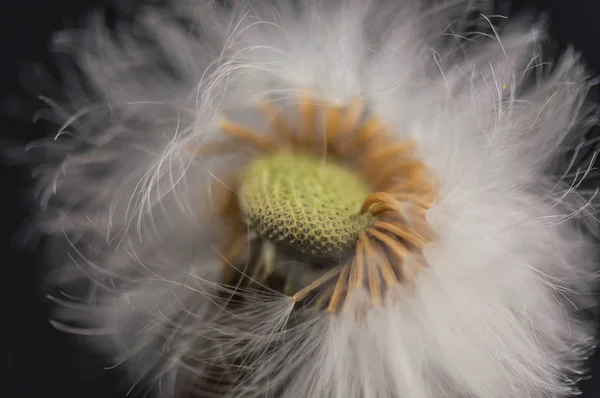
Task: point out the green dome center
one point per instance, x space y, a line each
304 202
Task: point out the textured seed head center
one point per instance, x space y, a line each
304 202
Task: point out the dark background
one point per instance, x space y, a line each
38 361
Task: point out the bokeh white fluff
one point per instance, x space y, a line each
496 315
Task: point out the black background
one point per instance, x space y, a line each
38 361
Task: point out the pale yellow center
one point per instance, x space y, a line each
305 202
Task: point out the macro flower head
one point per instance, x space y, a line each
324 199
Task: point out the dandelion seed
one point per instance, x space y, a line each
325 199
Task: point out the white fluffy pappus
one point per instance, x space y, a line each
496 312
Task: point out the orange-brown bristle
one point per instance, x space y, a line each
401 194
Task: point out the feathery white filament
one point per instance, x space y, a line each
496 313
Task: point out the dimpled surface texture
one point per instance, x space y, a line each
305 202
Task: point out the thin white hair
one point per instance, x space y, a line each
497 313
